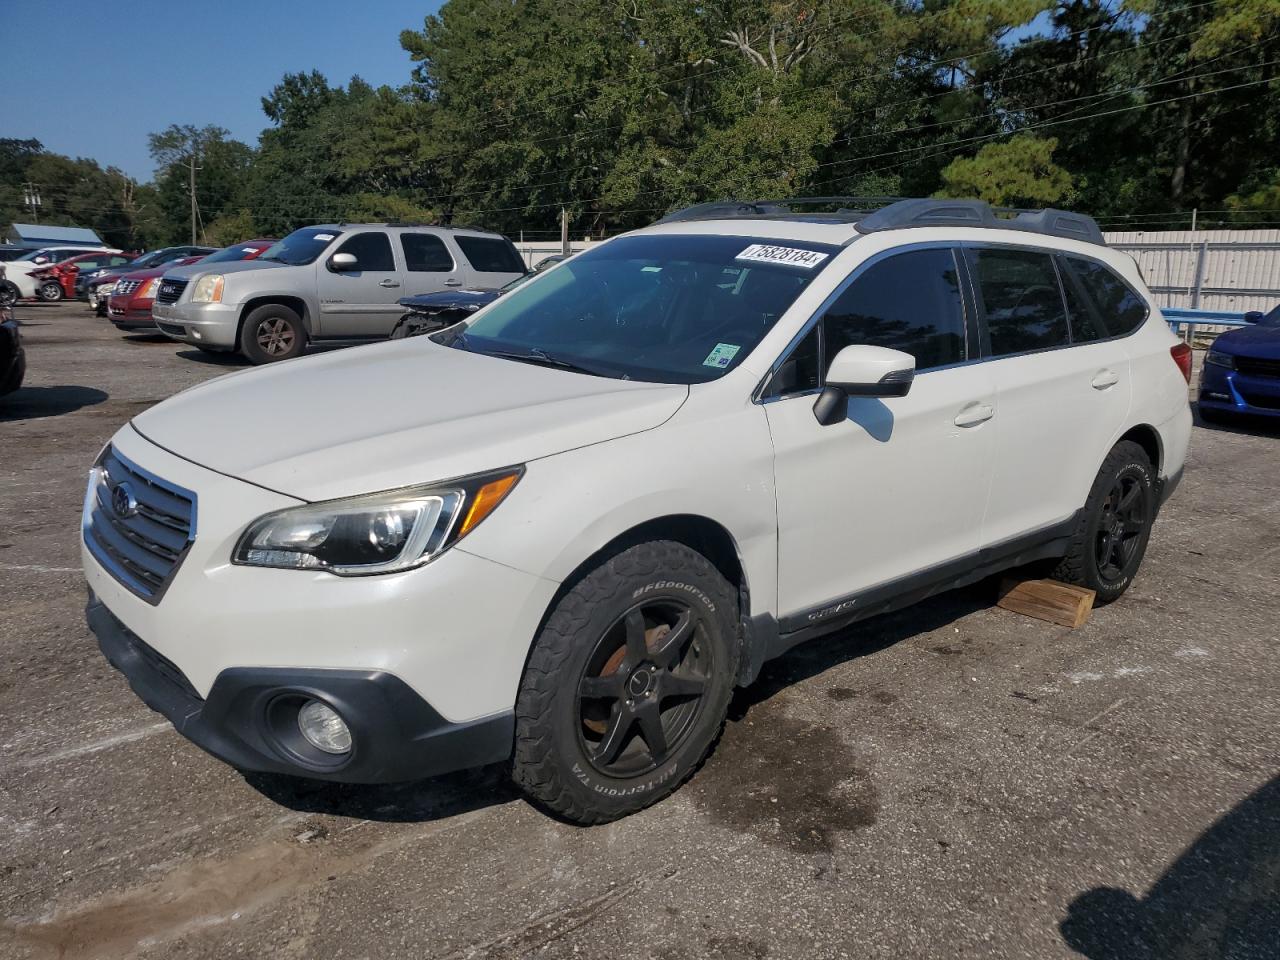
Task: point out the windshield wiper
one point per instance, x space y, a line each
541 358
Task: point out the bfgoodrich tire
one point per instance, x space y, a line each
1111 538
627 685
272 332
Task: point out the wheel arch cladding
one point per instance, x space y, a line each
699 533
296 304
1148 438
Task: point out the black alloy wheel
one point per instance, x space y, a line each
1124 521
643 688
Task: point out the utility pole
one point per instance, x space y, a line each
191 165
31 197
564 231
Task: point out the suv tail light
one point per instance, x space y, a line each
1181 353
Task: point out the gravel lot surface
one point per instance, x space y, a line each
950 781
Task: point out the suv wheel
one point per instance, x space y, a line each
1112 535
628 683
272 332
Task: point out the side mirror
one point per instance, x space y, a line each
863 371
1253 316
342 262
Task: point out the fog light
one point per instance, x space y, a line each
323 728
196 335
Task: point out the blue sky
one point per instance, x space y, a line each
118 71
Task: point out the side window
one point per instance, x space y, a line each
371 250
86 264
1021 300
1086 324
1122 310
425 253
801 371
910 302
490 254
120 261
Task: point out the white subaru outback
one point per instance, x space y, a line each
559 535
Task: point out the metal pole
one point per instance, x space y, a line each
1200 266
564 231
1194 211
191 163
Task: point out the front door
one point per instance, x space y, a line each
361 302
898 487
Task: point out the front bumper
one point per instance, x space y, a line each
1230 391
203 324
249 719
130 314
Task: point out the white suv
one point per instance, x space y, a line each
560 533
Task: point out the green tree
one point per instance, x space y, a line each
220 165
1017 173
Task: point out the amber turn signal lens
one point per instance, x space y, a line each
485 499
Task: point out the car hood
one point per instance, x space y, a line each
394 414
451 298
1256 341
227 266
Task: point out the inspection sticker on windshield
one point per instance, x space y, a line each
722 355
323 236
789 256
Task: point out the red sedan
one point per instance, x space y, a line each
129 306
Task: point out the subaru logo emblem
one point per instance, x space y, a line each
123 502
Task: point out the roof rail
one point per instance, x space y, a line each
848 209
978 213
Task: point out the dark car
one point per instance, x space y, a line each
429 312
13 361
91 284
1241 372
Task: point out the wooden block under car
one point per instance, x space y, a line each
1049 600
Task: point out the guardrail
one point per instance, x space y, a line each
1182 319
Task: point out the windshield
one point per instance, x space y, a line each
301 246
152 259
43 255
662 308
1272 319
236 251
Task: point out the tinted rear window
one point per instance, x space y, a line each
1021 300
425 253
1122 310
490 254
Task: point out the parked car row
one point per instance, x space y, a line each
24 277
96 285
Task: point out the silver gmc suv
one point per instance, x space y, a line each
336 283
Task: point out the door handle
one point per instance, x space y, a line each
974 413
388 283
1104 379
452 282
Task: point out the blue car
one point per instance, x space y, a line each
1241 372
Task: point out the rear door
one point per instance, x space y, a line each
491 261
429 264
360 302
1061 391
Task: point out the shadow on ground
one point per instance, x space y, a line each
225 359
419 801
1219 901
30 403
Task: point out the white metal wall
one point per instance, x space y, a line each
1233 270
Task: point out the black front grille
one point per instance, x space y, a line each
138 526
1258 367
1262 401
170 290
126 286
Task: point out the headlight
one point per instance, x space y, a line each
105 289
1220 359
208 289
377 533
149 291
